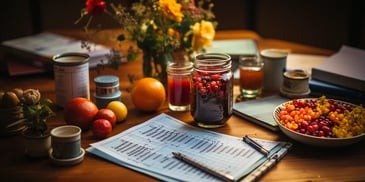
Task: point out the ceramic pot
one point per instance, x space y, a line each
36 145
8 118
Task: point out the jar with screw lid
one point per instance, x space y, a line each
212 99
106 90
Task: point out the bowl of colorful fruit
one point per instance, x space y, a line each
321 122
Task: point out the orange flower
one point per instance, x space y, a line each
172 10
173 33
175 37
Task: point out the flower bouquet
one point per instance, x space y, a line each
159 27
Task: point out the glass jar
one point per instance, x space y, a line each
179 85
212 90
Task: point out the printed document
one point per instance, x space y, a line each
148 148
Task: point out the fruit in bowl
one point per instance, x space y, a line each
321 121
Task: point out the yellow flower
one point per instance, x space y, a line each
172 10
203 34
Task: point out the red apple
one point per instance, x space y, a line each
80 112
107 114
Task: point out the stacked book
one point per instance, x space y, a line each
342 76
32 54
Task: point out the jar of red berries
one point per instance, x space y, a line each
212 90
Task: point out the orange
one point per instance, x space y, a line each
148 94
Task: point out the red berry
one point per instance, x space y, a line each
215 77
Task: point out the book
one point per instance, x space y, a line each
260 111
39 49
319 88
235 48
15 66
148 148
344 68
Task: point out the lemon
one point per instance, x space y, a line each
119 109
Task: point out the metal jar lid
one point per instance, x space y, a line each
106 84
106 81
70 59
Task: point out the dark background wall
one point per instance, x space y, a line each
325 23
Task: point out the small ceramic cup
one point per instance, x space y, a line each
274 66
66 142
295 84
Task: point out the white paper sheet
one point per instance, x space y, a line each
147 147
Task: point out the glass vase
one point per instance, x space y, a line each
155 64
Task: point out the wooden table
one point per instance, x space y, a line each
302 163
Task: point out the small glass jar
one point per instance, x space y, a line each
212 90
179 85
106 90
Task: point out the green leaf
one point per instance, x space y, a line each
46 102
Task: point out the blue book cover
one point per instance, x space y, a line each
319 88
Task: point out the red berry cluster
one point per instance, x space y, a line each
318 127
212 84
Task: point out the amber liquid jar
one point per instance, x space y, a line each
212 90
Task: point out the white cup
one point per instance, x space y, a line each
274 66
66 142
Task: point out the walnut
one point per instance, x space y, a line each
31 96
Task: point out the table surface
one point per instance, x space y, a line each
302 163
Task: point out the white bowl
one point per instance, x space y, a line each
314 140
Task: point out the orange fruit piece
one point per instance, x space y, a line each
148 94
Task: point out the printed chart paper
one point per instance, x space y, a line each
148 148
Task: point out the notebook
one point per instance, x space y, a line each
148 148
260 111
235 48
